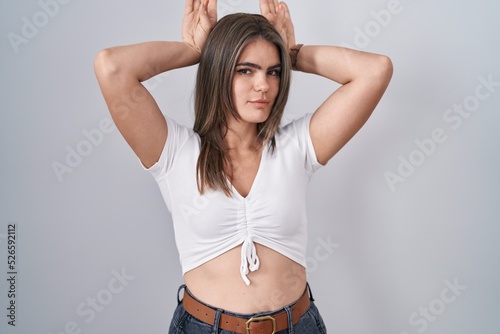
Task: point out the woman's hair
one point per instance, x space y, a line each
213 94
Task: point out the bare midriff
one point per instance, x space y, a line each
279 281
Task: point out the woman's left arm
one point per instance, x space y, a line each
364 78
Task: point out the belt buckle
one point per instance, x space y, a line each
258 319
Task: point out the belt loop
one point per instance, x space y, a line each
308 287
215 328
288 310
182 287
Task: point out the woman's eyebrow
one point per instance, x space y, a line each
258 67
274 67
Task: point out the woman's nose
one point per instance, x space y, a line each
261 83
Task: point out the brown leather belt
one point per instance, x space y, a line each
265 325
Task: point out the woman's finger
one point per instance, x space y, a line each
192 6
202 18
267 7
207 13
286 24
275 6
202 5
263 4
286 10
212 11
189 6
287 18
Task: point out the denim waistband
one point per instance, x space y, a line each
311 322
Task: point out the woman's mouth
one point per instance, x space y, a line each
259 103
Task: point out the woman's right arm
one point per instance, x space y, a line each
120 71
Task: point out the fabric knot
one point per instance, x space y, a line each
249 259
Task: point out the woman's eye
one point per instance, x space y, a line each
274 73
244 71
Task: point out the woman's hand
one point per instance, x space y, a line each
278 14
200 17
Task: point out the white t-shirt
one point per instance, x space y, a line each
273 214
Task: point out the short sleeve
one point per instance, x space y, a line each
298 130
177 137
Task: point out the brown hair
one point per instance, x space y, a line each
213 99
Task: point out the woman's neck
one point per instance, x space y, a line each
242 136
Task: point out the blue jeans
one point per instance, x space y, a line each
183 323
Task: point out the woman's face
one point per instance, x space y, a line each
256 81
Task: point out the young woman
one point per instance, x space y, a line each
235 183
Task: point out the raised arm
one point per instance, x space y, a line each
120 71
364 78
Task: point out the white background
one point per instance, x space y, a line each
393 247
